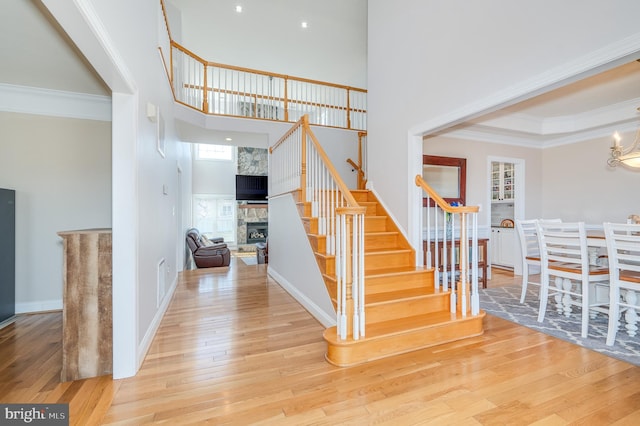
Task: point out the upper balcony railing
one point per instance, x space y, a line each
227 90
233 91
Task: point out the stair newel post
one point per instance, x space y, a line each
475 296
360 259
350 270
351 282
303 157
463 293
341 277
352 293
205 91
451 234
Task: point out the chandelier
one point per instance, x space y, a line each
626 156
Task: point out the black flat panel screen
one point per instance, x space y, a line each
251 188
7 253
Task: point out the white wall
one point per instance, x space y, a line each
120 40
477 155
572 181
214 176
339 144
267 36
434 63
61 171
579 186
292 262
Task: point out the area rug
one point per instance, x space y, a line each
249 260
504 302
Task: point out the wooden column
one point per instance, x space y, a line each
87 313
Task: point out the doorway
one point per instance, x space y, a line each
506 175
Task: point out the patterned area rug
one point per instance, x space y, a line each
504 302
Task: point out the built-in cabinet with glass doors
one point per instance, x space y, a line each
503 194
502 181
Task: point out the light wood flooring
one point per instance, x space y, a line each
234 348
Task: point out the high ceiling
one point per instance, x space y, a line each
36 53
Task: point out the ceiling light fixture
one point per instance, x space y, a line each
304 24
629 156
239 9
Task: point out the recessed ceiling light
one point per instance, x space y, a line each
239 9
228 139
304 24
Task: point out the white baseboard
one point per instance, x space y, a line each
40 306
312 308
145 344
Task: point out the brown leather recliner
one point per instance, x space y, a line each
207 255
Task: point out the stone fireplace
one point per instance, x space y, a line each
253 218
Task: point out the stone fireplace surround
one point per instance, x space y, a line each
251 161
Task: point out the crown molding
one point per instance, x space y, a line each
54 103
606 57
483 134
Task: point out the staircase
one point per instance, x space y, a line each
404 310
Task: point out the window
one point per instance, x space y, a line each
215 215
205 151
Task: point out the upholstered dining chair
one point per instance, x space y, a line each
564 256
530 250
623 250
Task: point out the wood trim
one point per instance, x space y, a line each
461 164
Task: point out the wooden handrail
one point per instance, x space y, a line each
166 21
346 192
441 202
271 98
259 72
167 72
293 128
188 52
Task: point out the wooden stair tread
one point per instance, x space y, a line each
381 272
402 325
387 250
398 295
366 234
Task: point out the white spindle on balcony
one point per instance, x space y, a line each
226 90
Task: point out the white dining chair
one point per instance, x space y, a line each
564 256
530 250
623 250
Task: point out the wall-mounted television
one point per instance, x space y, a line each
252 188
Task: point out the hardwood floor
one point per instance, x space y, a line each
234 348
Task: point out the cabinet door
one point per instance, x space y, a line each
495 246
508 181
502 181
507 247
496 182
